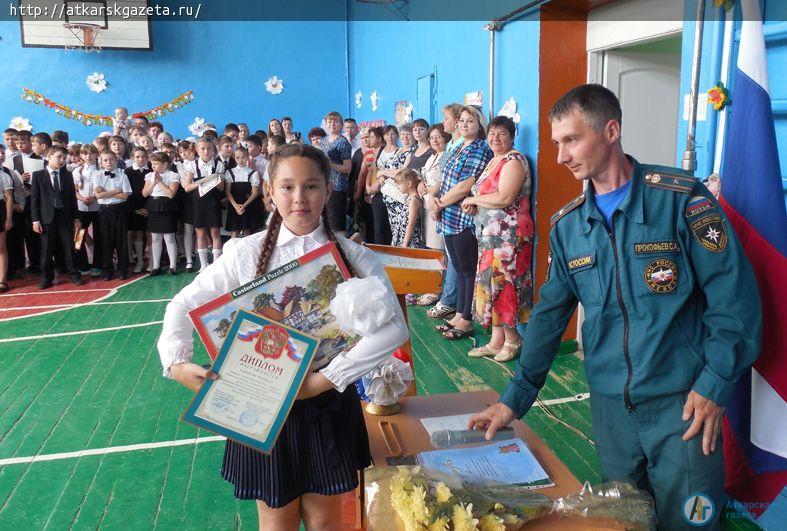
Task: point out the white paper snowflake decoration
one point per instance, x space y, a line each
96 82
274 85
509 109
20 123
358 99
198 127
374 99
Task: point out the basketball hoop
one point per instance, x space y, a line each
86 34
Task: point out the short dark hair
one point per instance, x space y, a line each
142 117
420 121
24 133
59 137
377 131
43 138
286 118
277 140
351 120
597 104
224 139
156 124
506 123
55 149
441 130
317 131
10 130
259 133
231 127
254 139
390 127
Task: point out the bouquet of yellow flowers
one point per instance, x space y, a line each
413 498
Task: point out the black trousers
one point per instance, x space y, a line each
57 239
15 243
382 225
87 219
32 238
463 250
113 226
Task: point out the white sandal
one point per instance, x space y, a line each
509 351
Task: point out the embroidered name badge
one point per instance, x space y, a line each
697 205
661 275
710 232
666 246
581 262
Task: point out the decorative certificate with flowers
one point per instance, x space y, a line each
260 369
297 294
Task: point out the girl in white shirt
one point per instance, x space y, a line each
161 185
242 187
323 444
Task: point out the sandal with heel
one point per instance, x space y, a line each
509 351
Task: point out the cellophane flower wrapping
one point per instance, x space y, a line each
361 306
414 498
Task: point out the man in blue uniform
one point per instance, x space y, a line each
672 314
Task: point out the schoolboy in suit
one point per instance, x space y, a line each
54 215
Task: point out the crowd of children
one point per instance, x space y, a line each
136 190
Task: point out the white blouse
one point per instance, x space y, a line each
242 175
83 181
238 266
168 177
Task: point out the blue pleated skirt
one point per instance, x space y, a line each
320 450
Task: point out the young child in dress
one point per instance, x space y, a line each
313 460
138 213
188 153
206 208
121 123
161 186
408 228
87 207
243 189
112 190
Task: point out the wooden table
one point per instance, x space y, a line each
403 434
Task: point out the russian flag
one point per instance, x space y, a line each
755 429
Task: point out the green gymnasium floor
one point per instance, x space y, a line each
67 389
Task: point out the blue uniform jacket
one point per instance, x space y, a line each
671 302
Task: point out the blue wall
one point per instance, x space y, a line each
225 63
389 59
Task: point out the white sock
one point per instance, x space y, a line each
188 242
156 248
138 251
216 254
172 249
203 259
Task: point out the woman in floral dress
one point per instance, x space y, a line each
504 228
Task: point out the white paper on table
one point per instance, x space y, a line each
406 262
451 422
208 183
31 165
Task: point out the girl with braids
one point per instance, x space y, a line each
324 443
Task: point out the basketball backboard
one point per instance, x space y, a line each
120 24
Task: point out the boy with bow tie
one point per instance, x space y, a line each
112 189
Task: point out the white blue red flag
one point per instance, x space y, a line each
755 430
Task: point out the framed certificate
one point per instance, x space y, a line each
261 367
297 294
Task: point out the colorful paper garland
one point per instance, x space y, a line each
101 119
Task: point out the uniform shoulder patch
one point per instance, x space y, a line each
571 205
668 181
710 232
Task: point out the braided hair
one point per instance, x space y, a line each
274 223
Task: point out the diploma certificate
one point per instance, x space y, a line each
261 366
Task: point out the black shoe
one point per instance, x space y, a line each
155 272
173 271
107 276
45 283
123 276
189 268
76 280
